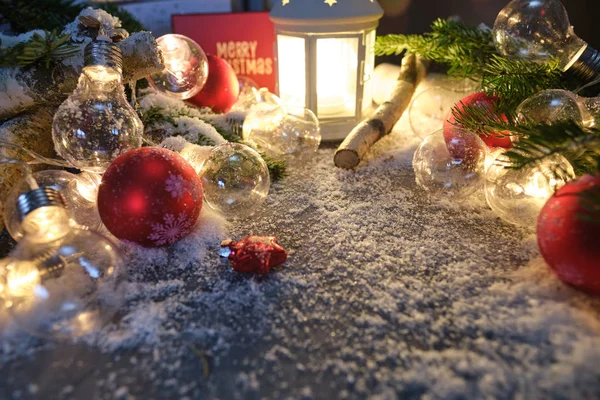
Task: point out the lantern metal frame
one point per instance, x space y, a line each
312 20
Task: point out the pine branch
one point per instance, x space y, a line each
26 15
535 142
513 81
464 49
40 48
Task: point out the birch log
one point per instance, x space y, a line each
362 137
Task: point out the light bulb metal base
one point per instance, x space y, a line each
38 198
587 67
103 53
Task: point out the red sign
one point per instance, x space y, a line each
245 40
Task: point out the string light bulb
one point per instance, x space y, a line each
80 192
540 31
96 124
61 280
186 67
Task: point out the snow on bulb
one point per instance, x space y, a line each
235 180
96 123
186 67
450 163
517 196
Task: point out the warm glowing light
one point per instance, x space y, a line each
46 224
292 70
87 184
175 53
337 65
21 278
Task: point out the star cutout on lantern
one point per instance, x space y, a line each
330 2
284 2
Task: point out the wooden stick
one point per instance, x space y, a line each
362 137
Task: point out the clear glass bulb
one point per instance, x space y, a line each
550 106
450 163
537 30
429 109
96 124
64 288
290 133
517 196
79 191
186 67
235 180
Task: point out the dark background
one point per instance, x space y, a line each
415 16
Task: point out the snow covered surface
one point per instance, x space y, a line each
386 293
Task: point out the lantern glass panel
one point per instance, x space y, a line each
369 67
337 66
292 69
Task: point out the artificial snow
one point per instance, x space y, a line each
386 293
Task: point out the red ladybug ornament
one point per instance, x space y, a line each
254 254
150 196
479 99
221 89
568 241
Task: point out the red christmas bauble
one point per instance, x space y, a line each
479 99
150 196
568 241
221 89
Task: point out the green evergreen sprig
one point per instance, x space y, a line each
44 48
470 53
513 81
464 49
534 143
26 15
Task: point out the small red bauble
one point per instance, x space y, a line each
221 89
479 99
570 243
150 196
255 254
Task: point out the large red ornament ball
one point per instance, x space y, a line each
150 196
221 89
479 99
568 241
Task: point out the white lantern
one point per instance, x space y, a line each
325 58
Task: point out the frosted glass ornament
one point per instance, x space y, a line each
517 196
186 67
429 109
235 180
78 190
450 163
66 288
292 134
550 106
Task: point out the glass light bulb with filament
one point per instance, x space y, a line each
79 191
186 67
62 281
540 31
96 124
518 195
